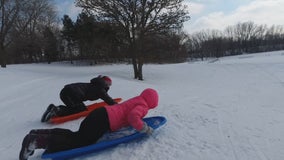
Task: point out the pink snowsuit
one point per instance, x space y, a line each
132 111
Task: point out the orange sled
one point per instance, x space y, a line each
90 108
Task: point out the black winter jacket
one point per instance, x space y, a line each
97 88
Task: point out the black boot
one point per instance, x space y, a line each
43 118
49 113
30 143
26 151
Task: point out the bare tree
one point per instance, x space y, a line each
22 16
274 37
138 19
242 37
8 15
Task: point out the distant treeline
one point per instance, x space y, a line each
32 33
97 41
242 38
89 39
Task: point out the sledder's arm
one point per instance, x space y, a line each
135 117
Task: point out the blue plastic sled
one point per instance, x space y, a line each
108 140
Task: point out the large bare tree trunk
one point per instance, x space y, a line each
135 68
140 72
137 18
2 56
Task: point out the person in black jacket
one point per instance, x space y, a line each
73 95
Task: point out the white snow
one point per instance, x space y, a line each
232 109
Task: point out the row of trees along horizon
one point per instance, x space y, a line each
115 31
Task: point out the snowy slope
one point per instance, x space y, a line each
231 109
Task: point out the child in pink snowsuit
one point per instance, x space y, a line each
132 111
97 123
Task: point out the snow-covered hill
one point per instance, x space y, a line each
232 109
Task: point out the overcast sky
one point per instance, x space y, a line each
214 14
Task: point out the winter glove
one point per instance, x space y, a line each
146 129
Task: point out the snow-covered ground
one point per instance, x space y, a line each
232 109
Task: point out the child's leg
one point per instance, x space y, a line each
91 129
68 110
52 140
58 131
94 125
73 104
61 142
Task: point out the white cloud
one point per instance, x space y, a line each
268 12
194 8
262 11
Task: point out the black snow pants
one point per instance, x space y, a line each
91 129
72 102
